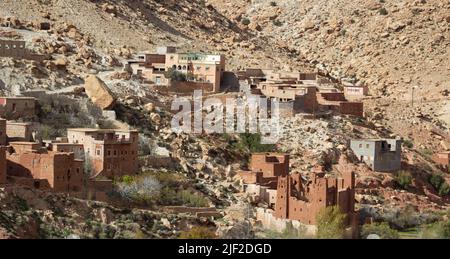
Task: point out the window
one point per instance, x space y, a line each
109 152
367 145
115 152
98 152
207 68
360 145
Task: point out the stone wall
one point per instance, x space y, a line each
352 108
186 88
268 221
17 49
19 131
197 211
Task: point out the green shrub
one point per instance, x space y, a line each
198 232
288 233
436 180
403 179
438 230
175 75
381 229
277 23
426 153
439 184
408 143
127 179
331 223
250 142
191 199
383 11
245 21
444 189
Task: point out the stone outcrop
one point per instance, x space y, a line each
99 93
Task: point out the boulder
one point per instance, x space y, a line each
99 93
150 107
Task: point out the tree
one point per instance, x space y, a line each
331 223
403 179
251 142
175 75
381 229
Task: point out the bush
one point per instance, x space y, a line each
403 179
383 11
198 232
139 189
438 230
190 199
444 189
249 142
245 21
288 233
439 184
277 23
426 153
381 229
403 219
175 75
331 223
408 143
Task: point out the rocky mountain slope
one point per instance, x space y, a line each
389 45
392 46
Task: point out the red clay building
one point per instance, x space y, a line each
295 197
57 171
336 101
110 153
301 199
265 168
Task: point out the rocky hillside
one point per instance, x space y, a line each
389 45
30 214
392 46
143 25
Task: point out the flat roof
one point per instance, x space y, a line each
19 123
270 153
99 130
23 143
375 139
65 143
